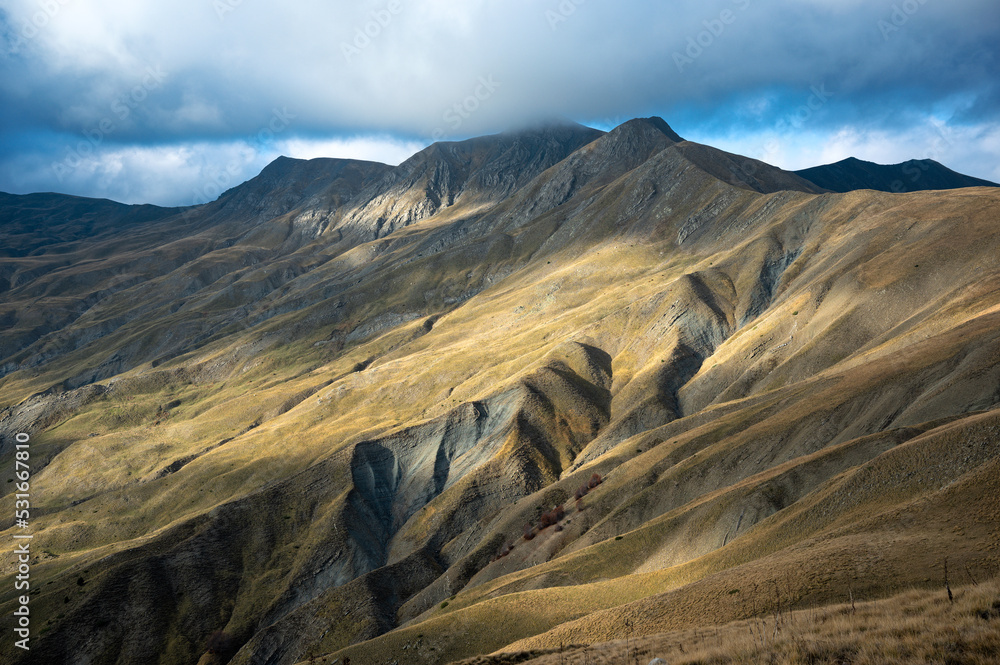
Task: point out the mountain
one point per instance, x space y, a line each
912 176
534 389
32 222
467 173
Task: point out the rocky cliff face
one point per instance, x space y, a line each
492 398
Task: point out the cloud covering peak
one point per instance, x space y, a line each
161 102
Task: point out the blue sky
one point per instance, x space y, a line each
171 103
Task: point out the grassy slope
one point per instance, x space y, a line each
914 626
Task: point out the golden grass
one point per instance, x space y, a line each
916 626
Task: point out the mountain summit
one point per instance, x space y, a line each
910 176
542 388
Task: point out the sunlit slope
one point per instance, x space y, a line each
329 443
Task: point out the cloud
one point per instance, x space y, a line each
373 149
177 174
208 74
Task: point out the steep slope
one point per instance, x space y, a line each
79 286
289 184
325 436
912 176
746 172
470 173
257 237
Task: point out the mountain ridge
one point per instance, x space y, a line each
909 176
860 174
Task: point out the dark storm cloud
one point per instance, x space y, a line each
111 98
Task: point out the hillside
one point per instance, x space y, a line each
916 626
331 413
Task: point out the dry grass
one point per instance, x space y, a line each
917 626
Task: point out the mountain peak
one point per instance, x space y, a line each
657 123
288 183
638 139
913 175
549 126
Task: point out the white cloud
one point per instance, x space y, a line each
181 174
971 150
374 149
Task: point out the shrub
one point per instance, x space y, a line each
550 517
